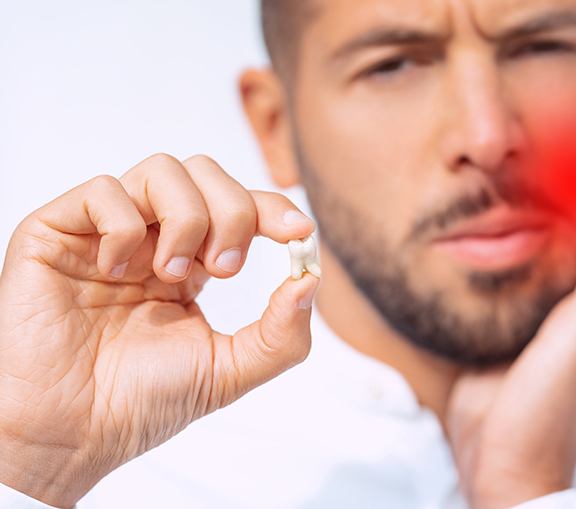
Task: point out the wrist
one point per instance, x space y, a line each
50 474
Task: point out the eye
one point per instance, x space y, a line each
542 48
402 65
390 66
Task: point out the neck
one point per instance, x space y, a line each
338 299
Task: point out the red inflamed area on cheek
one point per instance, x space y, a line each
554 169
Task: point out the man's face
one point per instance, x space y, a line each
415 123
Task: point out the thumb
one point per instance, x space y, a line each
279 340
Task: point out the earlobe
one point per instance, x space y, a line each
265 105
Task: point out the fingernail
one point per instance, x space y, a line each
296 218
307 299
230 260
119 271
178 266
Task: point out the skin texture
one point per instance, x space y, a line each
436 138
97 366
400 143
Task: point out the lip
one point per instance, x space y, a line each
498 240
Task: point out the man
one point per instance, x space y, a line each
413 125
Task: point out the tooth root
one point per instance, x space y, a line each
314 269
297 268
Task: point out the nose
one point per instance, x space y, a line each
481 129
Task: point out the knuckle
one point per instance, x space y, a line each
239 206
127 230
33 239
278 197
135 230
153 168
190 221
240 215
200 161
104 183
161 159
34 233
27 224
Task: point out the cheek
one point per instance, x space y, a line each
545 92
367 163
553 168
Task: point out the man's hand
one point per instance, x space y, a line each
104 353
513 429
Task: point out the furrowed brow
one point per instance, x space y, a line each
544 23
385 36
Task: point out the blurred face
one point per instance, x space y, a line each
416 125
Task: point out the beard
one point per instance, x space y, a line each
503 324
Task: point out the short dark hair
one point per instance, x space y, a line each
282 25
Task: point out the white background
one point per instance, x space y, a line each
88 88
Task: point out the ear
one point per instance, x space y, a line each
265 105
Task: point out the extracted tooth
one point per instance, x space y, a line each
304 257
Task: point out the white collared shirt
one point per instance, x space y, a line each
341 430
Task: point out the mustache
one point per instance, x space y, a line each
507 189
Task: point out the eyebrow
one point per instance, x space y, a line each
545 23
389 36
386 36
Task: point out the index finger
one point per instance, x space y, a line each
279 219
